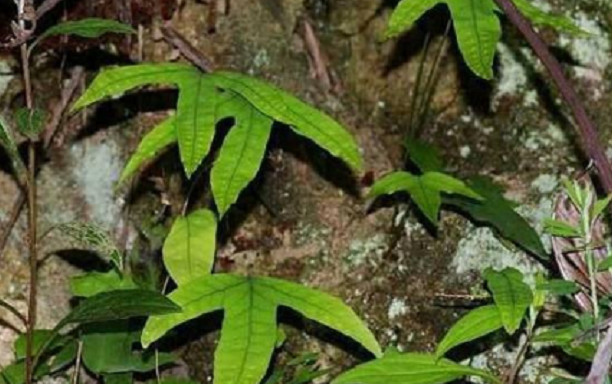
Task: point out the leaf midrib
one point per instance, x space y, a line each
240 156
243 362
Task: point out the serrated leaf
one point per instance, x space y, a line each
7 142
477 323
410 368
154 142
424 155
189 249
511 295
304 119
89 28
241 154
559 287
497 212
93 238
249 325
93 283
30 123
425 190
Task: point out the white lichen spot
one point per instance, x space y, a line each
364 250
397 308
465 151
6 76
97 169
530 99
545 183
261 59
481 249
549 138
593 51
513 77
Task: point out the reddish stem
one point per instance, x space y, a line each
585 126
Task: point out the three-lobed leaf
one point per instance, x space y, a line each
425 190
250 304
410 368
189 249
477 323
511 295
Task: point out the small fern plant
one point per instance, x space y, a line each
204 100
250 304
476 25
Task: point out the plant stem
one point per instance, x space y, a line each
32 211
585 126
519 361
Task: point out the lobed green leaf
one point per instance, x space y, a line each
249 335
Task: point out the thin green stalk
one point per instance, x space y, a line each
431 80
416 91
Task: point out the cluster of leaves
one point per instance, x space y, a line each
205 100
479 198
109 320
477 26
